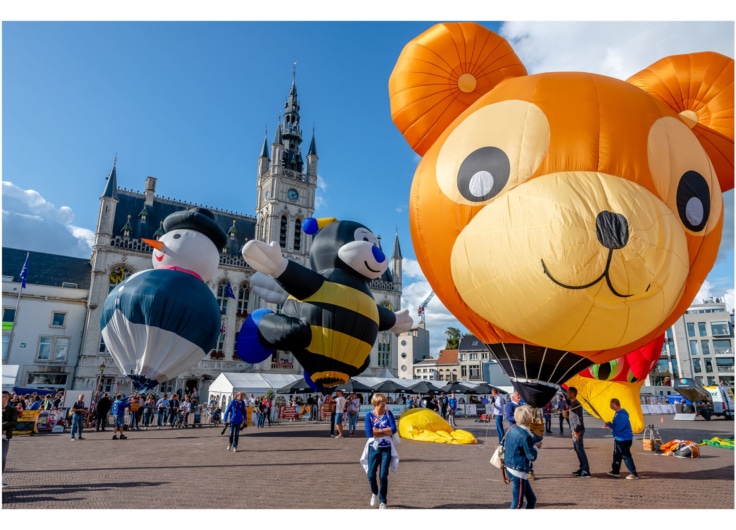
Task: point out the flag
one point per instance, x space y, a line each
229 291
223 330
24 273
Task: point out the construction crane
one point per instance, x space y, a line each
422 307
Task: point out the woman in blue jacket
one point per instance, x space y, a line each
519 452
235 415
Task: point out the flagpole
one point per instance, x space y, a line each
15 316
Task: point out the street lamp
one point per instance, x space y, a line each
99 380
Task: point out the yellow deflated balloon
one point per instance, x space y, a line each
424 425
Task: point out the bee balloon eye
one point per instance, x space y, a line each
483 174
693 201
607 371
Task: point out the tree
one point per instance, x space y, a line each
453 338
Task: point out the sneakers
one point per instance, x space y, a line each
81 438
73 439
228 447
114 437
584 474
577 473
382 506
235 449
339 436
374 498
123 437
612 474
158 428
633 477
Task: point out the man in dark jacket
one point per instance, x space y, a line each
10 419
577 428
103 409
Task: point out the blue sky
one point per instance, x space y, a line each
189 103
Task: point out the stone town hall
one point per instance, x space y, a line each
286 189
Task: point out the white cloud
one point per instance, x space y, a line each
30 222
617 49
416 289
319 194
707 290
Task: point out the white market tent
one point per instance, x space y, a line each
228 383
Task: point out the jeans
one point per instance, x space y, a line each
548 423
499 427
622 451
380 456
77 421
261 420
134 419
160 419
352 421
521 489
147 417
234 434
172 417
6 446
580 451
451 417
562 420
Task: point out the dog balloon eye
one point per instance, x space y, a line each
483 174
177 236
693 201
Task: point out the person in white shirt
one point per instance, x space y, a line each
339 412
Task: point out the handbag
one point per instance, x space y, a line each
497 457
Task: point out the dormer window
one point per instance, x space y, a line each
159 232
143 216
127 229
232 232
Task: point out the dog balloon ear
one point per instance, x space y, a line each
699 88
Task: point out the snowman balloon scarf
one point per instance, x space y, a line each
162 321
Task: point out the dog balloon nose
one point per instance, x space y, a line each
612 230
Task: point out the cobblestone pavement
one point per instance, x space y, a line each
297 465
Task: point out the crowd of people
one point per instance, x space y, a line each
380 455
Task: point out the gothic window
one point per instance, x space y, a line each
297 235
117 275
384 353
283 231
243 294
222 296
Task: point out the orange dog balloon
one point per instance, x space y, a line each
565 218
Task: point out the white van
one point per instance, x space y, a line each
722 398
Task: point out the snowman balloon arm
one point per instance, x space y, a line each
299 281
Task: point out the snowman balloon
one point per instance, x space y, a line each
162 321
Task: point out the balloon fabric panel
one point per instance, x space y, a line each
150 311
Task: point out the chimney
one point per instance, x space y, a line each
150 190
